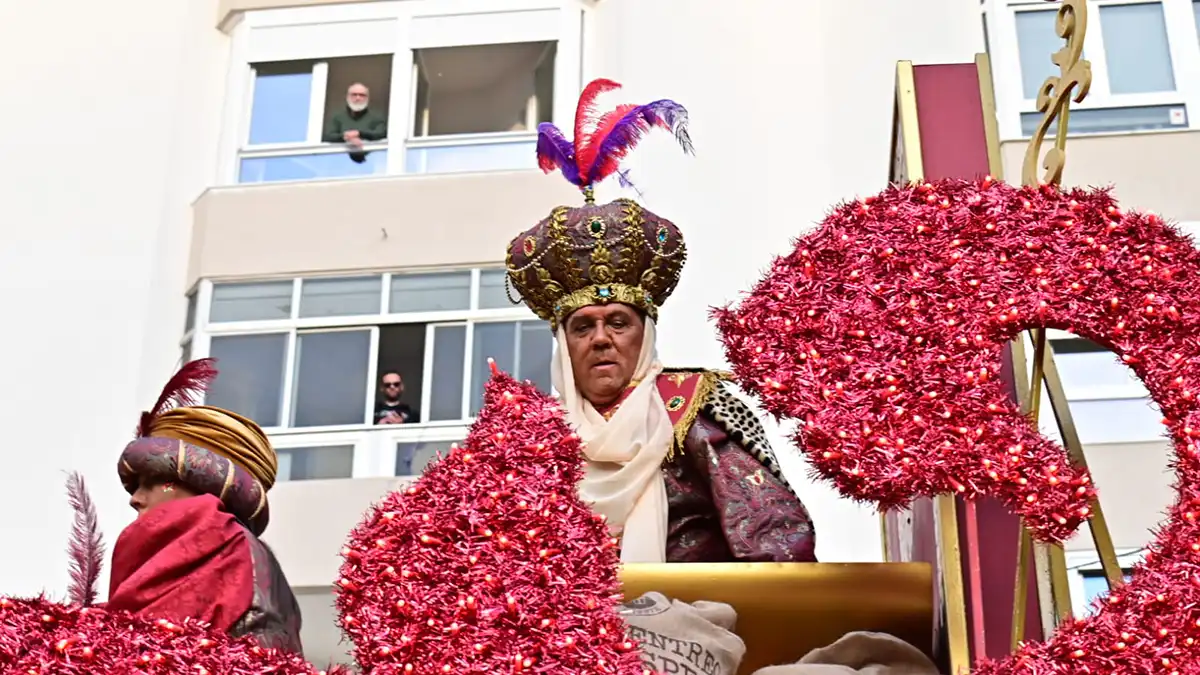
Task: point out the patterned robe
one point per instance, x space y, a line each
727 498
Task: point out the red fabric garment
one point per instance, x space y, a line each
186 558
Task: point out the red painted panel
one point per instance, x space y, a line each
950 116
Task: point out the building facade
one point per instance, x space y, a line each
168 186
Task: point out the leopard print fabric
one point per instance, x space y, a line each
739 421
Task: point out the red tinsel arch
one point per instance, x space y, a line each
882 333
489 563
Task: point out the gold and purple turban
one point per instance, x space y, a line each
210 450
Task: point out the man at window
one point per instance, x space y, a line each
357 122
677 463
198 477
390 409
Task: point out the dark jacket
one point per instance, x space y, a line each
370 125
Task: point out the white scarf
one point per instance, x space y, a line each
623 479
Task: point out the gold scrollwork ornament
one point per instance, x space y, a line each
1054 99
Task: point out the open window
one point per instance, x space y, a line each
292 105
483 88
477 107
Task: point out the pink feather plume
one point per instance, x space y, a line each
86 548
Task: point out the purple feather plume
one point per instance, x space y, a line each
554 151
626 133
86 548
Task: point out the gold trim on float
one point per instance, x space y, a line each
906 132
1057 92
1049 616
954 591
883 534
1021 587
1049 561
991 128
910 126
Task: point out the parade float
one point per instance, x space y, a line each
892 336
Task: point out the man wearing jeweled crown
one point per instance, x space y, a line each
676 462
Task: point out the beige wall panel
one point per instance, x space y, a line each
1149 171
373 224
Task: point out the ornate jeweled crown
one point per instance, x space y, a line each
592 255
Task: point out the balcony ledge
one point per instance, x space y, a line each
230 11
376 223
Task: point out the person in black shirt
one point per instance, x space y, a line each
389 409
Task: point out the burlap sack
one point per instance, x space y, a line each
678 638
860 654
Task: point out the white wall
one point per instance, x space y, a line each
791 108
110 108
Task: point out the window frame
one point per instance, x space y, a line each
247 49
1183 46
375 446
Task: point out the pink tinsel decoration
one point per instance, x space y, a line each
883 331
39 636
489 563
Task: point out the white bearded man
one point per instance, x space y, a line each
676 462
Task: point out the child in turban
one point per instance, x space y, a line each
198 477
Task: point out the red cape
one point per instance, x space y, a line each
186 558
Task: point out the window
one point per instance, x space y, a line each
1086 579
189 326
1145 64
294 129
477 108
1095 584
412 458
304 358
316 463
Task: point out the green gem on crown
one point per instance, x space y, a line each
597 226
